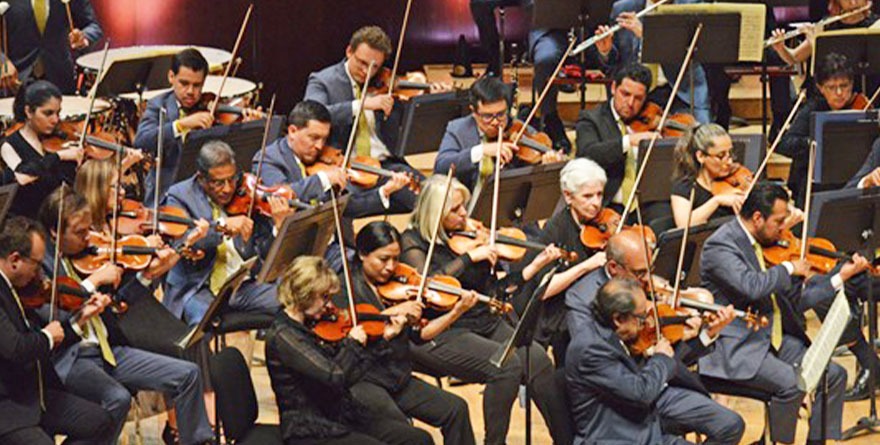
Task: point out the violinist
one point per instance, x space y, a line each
186 110
605 135
471 142
619 397
34 404
835 81
702 157
102 367
388 386
734 270
192 285
312 379
338 87
25 159
464 349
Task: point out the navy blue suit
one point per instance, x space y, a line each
147 139
26 44
186 288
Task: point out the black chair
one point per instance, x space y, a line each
236 321
237 402
720 386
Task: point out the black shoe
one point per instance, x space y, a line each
170 435
859 390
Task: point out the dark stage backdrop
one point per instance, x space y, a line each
288 39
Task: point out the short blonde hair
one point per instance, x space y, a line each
428 206
306 278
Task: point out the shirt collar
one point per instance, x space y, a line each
614 111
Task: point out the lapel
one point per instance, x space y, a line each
742 241
171 107
343 80
289 160
11 307
608 120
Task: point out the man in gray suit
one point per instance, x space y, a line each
733 269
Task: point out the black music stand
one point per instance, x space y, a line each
843 141
424 121
669 248
862 51
135 75
219 304
7 194
303 233
749 149
526 194
244 138
668 36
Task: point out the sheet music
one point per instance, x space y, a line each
752 23
819 354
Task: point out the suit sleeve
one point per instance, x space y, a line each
21 347
452 152
85 19
343 370
340 113
871 163
723 264
148 130
590 143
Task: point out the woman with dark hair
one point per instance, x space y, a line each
388 386
25 160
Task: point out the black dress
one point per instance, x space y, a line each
50 170
682 187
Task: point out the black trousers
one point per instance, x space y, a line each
422 401
465 354
83 422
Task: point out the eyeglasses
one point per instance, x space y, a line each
837 88
220 183
729 154
487 118
641 319
35 262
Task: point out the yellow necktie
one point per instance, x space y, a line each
39 366
776 332
630 167
41 14
218 273
362 138
96 324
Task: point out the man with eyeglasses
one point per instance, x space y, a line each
471 142
834 79
623 398
192 285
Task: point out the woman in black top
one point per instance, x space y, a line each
311 379
465 349
388 386
25 161
702 156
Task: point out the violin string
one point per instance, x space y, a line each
250 212
644 164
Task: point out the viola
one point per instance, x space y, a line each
241 200
596 232
442 292
363 171
676 125
738 179
511 242
335 324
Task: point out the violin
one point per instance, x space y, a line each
70 296
442 292
405 87
226 114
739 179
859 102
531 148
363 171
241 200
511 242
335 324
136 219
676 125
701 299
596 232
821 253
133 252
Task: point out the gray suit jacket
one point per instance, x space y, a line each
455 148
730 270
147 139
612 397
280 167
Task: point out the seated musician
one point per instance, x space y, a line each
388 386
617 396
41 43
465 349
102 367
339 86
26 161
34 405
471 142
605 134
869 173
312 379
734 269
625 48
186 111
192 285
835 81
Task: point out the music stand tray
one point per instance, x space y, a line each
843 141
7 194
219 303
669 248
424 121
244 138
526 194
135 75
303 233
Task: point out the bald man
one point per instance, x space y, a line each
685 406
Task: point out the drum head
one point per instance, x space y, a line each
235 87
72 108
92 62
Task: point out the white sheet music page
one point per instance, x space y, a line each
819 354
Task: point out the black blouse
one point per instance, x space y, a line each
682 187
48 168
